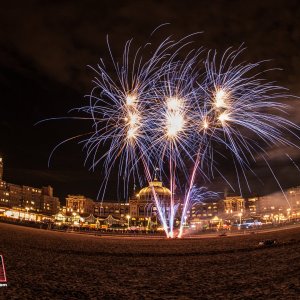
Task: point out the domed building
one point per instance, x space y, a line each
146 193
142 205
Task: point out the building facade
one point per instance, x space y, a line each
205 210
80 204
293 195
142 207
117 210
234 204
39 200
252 206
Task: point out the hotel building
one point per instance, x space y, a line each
39 200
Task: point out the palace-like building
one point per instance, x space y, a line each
80 204
141 209
142 206
234 204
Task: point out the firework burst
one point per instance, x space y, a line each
173 113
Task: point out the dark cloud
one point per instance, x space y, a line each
45 47
60 38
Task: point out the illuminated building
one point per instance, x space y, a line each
204 215
49 203
293 195
80 204
272 203
252 205
205 210
115 209
234 204
142 208
15 194
280 206
30 198
139 211
35 199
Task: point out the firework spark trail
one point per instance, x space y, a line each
133 136
161 211
194 196
174 93
235 100
236 103
173 132
173 113
109 110
121 107
187 199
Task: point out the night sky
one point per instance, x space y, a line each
45 47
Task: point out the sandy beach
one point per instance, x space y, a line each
43 264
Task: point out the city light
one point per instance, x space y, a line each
128 219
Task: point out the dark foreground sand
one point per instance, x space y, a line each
51 265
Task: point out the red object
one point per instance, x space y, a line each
2 270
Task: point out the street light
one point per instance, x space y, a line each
27 209
240 215
74 219
128 218
148 222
